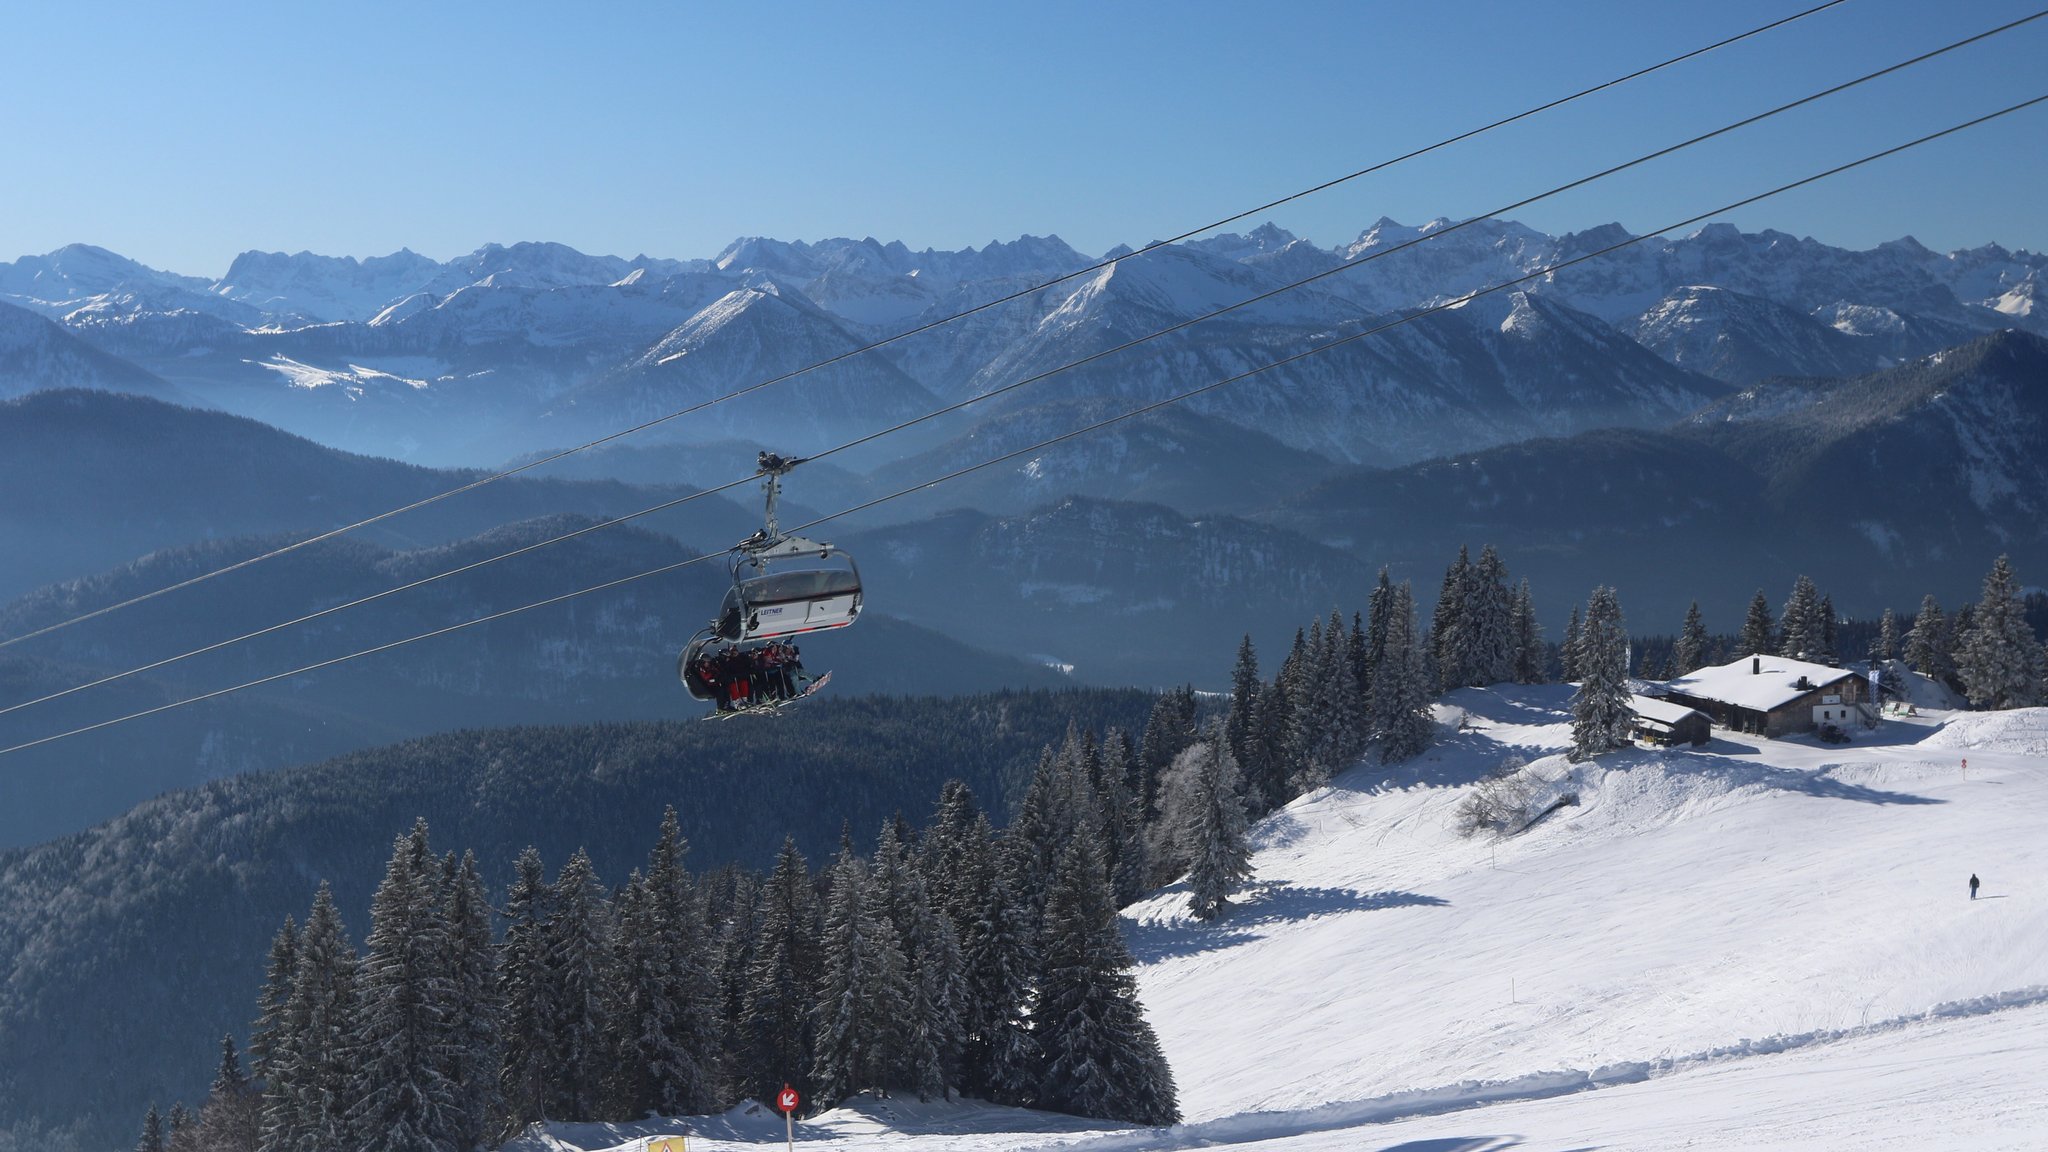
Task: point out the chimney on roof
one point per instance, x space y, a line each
1756 665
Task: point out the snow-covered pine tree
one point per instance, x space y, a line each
1568 648
405 1098
946 858
526 987
1345 710
1240 724
473 966
1170 728
318 1071
1000 955
1402 691
864 992
1928 641
1489 616
775 1026
152 1132
231 1118
1305 697
1125 826
1758 632
1999 660
181 1130
1886 646
1266 774
1218 836
1101 1057
668 1003
1601 718
1689 652
1799 625
1528 636
270 1041
1449 637
578 965
1829 654
935 1029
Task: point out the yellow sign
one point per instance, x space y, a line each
668 1144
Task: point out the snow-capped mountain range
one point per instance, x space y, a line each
516 348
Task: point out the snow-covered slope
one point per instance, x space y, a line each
1692 902
1755 944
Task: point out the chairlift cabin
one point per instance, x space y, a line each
782 586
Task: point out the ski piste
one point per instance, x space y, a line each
771 708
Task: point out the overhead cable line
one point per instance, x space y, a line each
928 326
1154 406
1014 385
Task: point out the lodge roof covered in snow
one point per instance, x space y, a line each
1770 682
1662 711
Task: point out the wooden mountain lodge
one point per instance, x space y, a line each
1775 696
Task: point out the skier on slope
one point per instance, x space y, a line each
1973 885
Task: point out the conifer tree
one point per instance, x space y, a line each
526 987
1999 659
1601 716
232 1117
935 1028
1001 1057
864 993
1125 828
1489 621
1379 609
1886 646
1401 719
181 1130
1568 648
1928 641
668 1011
1528 638
472 965
152 1132
1219 837
1757 630
1170 728
405 1098
1267 773
1305 697
1799 626
578 961
776 1029
1240 725
1101 1057
321 1028
1688 653
1449 636
947 857
269 1039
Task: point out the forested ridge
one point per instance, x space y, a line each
163 914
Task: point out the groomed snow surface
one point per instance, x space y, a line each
1751 945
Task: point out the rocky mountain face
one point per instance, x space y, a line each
513 348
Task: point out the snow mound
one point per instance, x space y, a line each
2019 730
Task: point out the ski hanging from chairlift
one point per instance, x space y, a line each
746 661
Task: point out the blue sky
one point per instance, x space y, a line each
183 134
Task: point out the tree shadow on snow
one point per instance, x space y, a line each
1261 905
